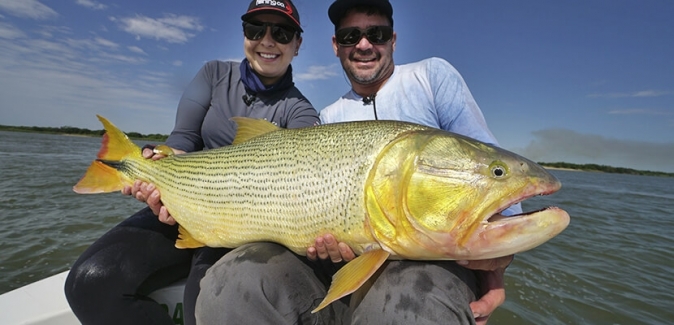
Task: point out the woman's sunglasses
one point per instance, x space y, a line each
254 31
377 35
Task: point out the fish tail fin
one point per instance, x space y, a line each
103 175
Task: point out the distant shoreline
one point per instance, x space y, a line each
73 131
567 169
601 169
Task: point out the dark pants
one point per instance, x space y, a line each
110 281
265 283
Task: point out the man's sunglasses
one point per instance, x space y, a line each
376 35
254 31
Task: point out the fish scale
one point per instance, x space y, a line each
254 191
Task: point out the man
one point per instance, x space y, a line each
430 92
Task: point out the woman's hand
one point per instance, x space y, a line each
327 247
148 193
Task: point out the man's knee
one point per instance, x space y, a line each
251 261
421 292
248 269
262 279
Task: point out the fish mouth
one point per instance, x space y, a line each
542 187
496 235
500 235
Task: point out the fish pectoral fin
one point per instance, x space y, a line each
353 275
185 240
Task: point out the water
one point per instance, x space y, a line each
613 265
45 225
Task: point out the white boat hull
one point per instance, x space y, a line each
44 303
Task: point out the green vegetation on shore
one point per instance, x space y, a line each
604 169
69 130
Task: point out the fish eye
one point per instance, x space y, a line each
498 169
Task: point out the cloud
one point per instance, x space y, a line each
317 72
641 111
136 49
643 93
562 145
232 59
72 79
91 4
106 43
171 28
27 9
8 31
53 31
119 58
650 93
97 50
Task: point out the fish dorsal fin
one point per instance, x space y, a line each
249 128
185 240
353 275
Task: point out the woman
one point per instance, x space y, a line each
109 283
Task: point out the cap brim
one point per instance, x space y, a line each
278 12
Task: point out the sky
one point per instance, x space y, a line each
576 81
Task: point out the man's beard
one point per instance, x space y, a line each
364 79
361 77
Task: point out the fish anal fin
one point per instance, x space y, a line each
249 128
185 240
353 275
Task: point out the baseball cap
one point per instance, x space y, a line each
283 8
339 8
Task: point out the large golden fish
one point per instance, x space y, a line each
388 189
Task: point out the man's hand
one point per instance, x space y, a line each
490 275
326 246
148 193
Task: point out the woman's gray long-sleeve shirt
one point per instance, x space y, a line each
217 93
